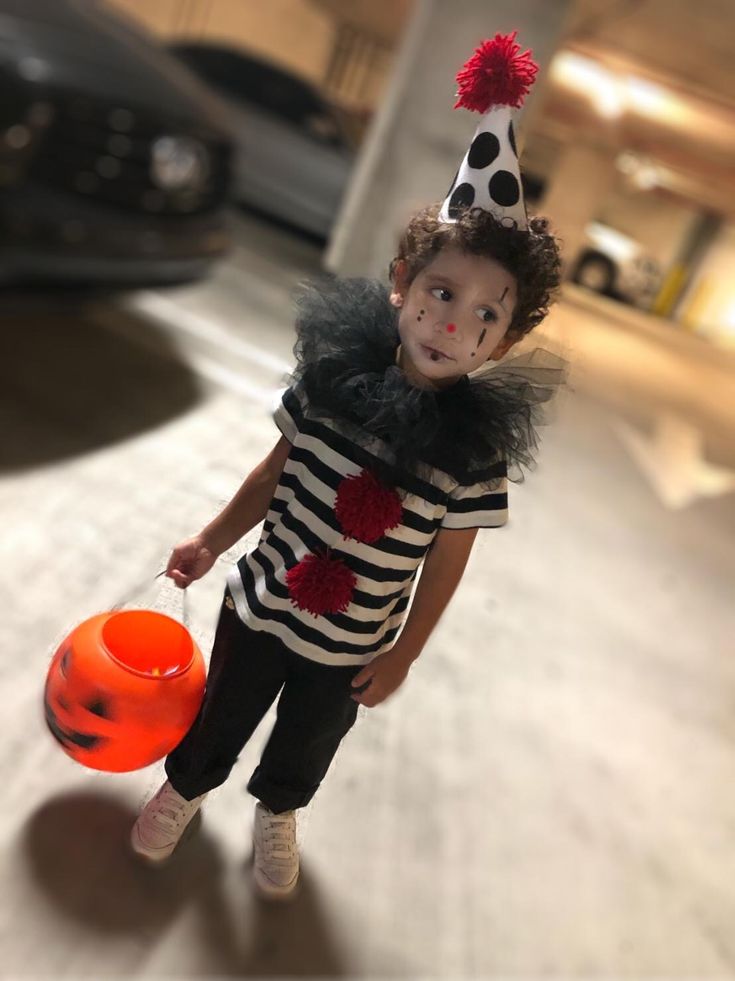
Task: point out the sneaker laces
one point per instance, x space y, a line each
170 810
279 834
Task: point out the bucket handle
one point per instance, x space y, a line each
145 585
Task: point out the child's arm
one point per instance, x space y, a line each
443 568
249 506
194 557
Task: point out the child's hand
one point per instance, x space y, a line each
190 560
385 673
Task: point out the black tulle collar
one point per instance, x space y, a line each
347 340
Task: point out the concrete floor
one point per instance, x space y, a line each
550 794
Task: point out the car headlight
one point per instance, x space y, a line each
179 163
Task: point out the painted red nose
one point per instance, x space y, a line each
451 328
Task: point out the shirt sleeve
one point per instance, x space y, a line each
287 412
478 506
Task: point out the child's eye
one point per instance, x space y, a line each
485 315
442 293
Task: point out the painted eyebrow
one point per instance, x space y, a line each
440 277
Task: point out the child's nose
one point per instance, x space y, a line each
451 328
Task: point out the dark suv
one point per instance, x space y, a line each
114 159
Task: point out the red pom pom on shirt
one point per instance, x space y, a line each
321 584
365 508
495 75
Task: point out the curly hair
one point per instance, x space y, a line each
531 256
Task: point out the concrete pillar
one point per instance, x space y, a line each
416 141
583 177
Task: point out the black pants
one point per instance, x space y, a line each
246 671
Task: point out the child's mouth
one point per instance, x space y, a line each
434 354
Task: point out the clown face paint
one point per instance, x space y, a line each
454 316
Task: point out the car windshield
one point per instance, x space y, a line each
244 78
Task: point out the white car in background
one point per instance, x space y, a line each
617 266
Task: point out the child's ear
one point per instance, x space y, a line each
502 347
399 283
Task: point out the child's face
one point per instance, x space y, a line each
453 317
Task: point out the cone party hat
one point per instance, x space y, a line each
495 79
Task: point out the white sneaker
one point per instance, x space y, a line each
275 852
162 822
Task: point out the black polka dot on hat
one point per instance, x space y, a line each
485 148
512 137
503 188
462 197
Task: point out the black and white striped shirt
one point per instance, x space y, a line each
301 519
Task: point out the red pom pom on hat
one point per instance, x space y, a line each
495 75
321 584
365 508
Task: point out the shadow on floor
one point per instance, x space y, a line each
69 386
76 850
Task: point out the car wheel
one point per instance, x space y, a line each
596 272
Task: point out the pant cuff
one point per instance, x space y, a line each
188 788
277 797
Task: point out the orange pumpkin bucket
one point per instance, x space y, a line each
123 689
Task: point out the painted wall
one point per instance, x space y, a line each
708 307
293 33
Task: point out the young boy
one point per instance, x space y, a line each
392 455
